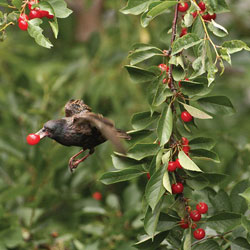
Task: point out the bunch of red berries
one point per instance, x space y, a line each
207 16
34 13
195 216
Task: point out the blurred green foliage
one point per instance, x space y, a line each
38 195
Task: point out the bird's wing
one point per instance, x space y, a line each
104 125
73 107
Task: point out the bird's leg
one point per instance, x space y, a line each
74 163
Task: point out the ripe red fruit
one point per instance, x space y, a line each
195 215
35 14
163 67
23 25
43 13
182 7
186 117
172 166
32 139
183 32
209 17
183 224
177 163
177 188
185 141
49 16
199 234
23 17
148 176
202 6
202 207
97 196
213 16
194 14
32 2
186 149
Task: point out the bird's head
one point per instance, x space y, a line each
51 129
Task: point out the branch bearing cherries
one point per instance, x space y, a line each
33 139
34 13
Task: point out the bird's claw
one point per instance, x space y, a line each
73 164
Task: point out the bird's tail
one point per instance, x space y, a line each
123 135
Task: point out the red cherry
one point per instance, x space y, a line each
213 16
183 32
186 117
23 17
177 188
182 7
32 2
164 80
172 166
202 207
97 196
183 224
185 141
148 176
23 25
177 163
199 234
209 17
195 215
43 13
194 14
49 16
163 67
35 14
32 139
202 6
186 149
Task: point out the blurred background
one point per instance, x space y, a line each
43 205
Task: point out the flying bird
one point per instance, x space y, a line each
82 128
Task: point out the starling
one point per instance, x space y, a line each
82 128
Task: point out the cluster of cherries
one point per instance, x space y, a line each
34 13
195 216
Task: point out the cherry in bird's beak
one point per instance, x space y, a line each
42 133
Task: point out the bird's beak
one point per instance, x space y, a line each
42 133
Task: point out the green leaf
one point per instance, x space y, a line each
235 46
139 75
143 119
185 42
222 7
187 163
140 151
11 237
121 175
245 223
165 157
214 178
225 55
205 154
121 162
60 8
165 125
211 71
35 31
138 135
148 244
207 245
4 3
202 142
17 3
159 94
197 183
154 189
140 56
136 7
246 195
198 66
188 19
187 240
217 29
137 47
166 182
238 203
192 88
216 105
160 8
166 222
221 201
224 221
151 219
196 113
240 244
197 28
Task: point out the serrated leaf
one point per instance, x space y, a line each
205 154
240 243
187 163
202 142
36 32
221 201
185 42
139 75
136 7
214 178
216 105
196 113
154 189
165 125
140 151
143 119
187 240
121 175
235 46
166 222
246 195
207 245
60 8
166 182
217 29
224 221
197 183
